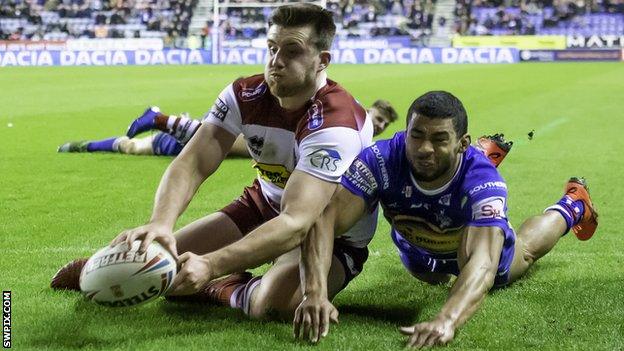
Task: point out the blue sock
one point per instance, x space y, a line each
108 145
572 211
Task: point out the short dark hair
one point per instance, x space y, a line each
386 108
441 104
306 14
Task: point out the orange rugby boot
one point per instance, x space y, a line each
576 189
495 147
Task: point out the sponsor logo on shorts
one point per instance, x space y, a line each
488 185
361 177
490 208
251 94
276 174
219 110
325 159
315 115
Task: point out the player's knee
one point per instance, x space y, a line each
529 255
127 146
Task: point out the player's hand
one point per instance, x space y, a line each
312 318
427 334
194 273
148 233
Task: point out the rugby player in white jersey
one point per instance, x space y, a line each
306 130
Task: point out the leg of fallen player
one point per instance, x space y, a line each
277 292
136 146
538 235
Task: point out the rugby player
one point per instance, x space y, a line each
176 131
307 130
447 206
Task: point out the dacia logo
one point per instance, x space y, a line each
325 159
255 144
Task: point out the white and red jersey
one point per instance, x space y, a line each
322 138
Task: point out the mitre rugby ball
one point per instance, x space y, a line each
118 277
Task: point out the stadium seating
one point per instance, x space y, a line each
54 20
170 19
542 18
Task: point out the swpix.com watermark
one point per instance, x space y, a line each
6 319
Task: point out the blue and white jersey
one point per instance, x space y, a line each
431 222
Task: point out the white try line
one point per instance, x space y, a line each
44 250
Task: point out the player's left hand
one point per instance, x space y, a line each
193 274
427 334
312 318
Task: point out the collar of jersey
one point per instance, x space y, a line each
443 187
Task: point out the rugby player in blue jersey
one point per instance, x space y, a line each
447 206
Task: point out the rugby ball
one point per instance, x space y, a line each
118 277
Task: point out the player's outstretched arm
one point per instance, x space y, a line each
305 197
313 315
179 184
478 258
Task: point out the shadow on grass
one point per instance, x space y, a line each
398 300
93 326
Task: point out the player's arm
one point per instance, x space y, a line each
478 258
304 198
180 183
315 312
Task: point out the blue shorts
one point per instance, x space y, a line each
164 144
420 261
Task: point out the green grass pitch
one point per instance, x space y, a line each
56 207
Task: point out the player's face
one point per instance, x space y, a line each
293 60
380 120
433 147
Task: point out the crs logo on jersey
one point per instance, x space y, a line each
315 115
219 109
490 208
251 94
325 159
